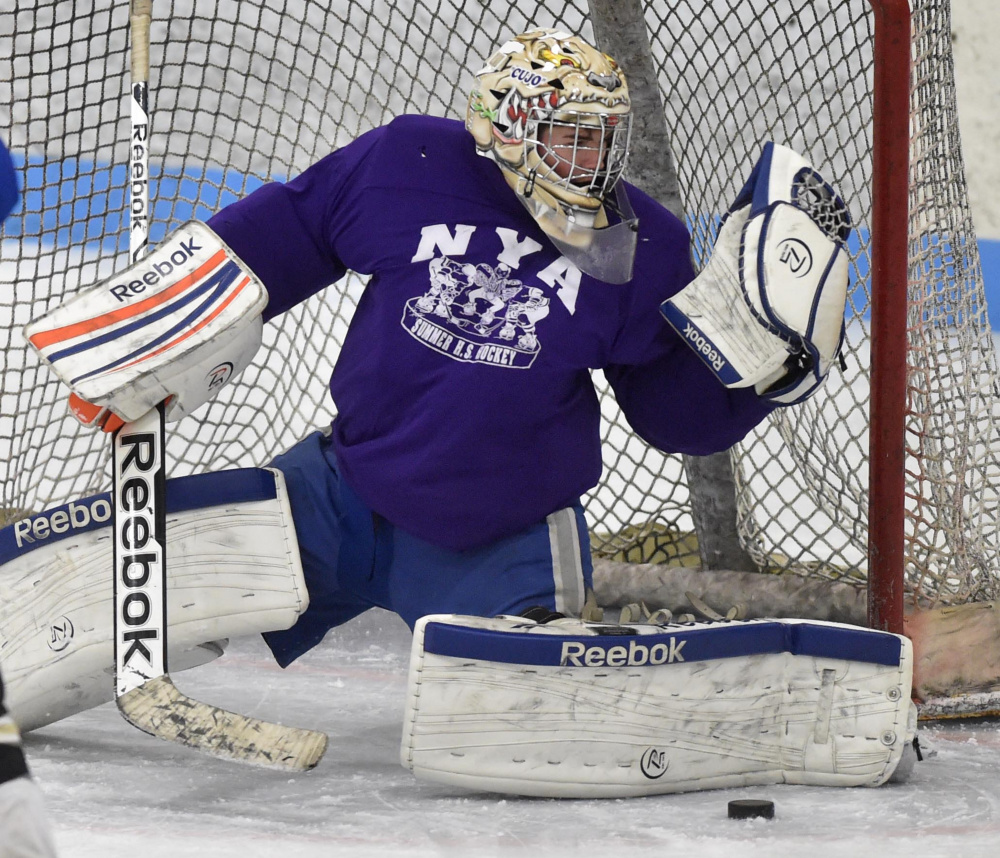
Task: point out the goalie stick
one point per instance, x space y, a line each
144 692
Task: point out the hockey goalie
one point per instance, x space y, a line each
508 259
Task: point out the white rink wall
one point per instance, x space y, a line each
976 43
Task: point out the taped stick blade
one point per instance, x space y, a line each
157 707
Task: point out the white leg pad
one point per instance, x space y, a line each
575 709
233 569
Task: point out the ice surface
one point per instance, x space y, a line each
111 790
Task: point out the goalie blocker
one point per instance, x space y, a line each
175 326
234 570
577 709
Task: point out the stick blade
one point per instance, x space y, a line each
158 708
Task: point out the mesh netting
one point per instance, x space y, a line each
256 90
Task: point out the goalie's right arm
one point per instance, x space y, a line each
301 236
175 326
144 336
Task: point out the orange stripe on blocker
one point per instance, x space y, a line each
44 339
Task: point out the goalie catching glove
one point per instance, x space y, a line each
768 309
175 326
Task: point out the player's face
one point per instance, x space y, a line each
574 152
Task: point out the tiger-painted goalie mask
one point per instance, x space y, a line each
554 113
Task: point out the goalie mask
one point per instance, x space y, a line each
554 113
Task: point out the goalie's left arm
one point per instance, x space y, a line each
767 312
674 403
666 392
759 328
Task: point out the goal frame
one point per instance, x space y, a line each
889 276
619 29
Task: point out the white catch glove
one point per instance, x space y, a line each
768 309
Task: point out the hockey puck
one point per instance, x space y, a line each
751 808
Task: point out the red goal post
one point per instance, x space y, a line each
890 264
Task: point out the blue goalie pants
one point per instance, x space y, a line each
354 560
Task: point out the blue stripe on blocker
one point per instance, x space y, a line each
674 645
184 325
227 274
199 491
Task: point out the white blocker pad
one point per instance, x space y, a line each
776 283
179 324
575 709
232 566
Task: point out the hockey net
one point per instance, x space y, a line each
248 91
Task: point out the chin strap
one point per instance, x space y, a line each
602 250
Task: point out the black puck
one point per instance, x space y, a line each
751 808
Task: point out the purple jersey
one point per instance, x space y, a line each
466 410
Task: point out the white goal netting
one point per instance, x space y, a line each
248 91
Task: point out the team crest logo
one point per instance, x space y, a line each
477 313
